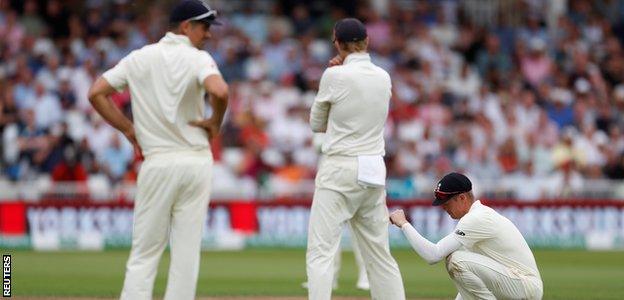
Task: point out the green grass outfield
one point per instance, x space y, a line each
271 272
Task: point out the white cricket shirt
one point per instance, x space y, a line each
352 106
166 86
483 230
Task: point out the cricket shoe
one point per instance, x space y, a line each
363 285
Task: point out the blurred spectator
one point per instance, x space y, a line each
378 29
32 145
614 169
252 23
8 108
48 110
560 108
12 32
536 65
565 151
508 157
80 81
232 69
99 136
69 169
50 73
275 51
116 158
31 20
492 61
24 91
532 30
292 172
526 184
290 133
566 182
57 17
66 95
464 84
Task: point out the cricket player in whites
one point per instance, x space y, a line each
486 255
362 281
168 81
351 107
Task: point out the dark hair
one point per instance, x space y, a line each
175 25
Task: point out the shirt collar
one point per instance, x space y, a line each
173 38
357 57
475 204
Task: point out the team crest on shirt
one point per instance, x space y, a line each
459 232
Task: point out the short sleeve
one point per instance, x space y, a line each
207 67
474 228
117 77
327 90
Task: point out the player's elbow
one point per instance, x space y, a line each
93 94
97 89
432 258
222 92
432 261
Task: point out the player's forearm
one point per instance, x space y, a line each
219 92
219 106
430 252
111 113
318 116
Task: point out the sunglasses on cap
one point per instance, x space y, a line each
443 197
211 14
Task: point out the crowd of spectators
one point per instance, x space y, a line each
527 97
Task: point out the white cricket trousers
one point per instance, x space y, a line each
171 205
338 198
359 262
479 277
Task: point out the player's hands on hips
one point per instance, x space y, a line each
397 218
131 136
335 61
211 126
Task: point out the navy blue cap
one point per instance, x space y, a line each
450 185
350 30
194 10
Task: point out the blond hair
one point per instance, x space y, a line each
351 47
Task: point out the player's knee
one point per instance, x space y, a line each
455 263
318 255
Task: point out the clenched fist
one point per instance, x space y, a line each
397 218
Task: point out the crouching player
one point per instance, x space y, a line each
486 255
